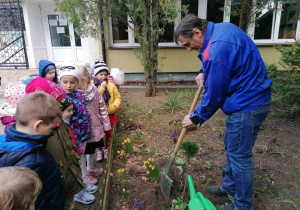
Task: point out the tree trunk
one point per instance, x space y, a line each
151 82
150 50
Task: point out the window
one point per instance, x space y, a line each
288 23
120 32
215 11
167 37
59 31
264 23
270 24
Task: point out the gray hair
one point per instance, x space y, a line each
186 26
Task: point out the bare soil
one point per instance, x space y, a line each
275 154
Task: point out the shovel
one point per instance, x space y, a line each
165 181
198 202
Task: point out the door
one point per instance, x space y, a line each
65 46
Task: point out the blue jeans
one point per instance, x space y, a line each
239 139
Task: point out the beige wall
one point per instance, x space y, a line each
177 59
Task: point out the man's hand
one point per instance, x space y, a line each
186 121
200 80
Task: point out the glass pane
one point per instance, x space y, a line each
59 31
192 6
263 24
168 33
288 23
215 11
120 32
77 38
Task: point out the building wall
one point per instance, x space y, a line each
177 59
36 45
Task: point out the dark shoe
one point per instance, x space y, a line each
215 190
225 207
223 171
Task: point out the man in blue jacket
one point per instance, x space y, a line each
234 78
24 144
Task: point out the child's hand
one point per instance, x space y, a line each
80 150
103 84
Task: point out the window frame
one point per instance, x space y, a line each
202 13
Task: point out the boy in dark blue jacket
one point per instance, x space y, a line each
48 69
24 144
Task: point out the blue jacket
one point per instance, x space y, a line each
234 73
42 65
20 149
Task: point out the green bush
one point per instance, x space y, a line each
191 149
286 84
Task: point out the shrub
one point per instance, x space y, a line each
285 88
191 149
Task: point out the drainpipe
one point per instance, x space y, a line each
102 40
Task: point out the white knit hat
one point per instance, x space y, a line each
69 70
99 67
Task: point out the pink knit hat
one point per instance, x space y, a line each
40 84
14 93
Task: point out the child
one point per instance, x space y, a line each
111 97
79 122
67 106
24 144
47 69
62 148
19 188
14 92
98 118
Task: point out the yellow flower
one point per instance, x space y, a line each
128 140
123 190
144 166
148 172
149 159
178 122
118 152
153 167
123 169
152 159
150 166
111 174
144 162
130 119
174 121
123 143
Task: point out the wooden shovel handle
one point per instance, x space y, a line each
183 131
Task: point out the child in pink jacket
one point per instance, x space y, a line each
99 119
14 92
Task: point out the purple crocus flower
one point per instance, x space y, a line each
137 202
174 134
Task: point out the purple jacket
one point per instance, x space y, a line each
97 111
8 121
79 121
